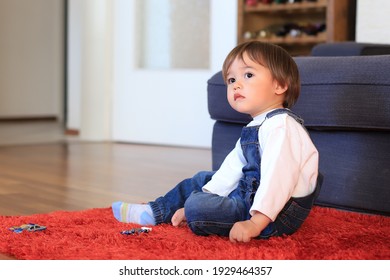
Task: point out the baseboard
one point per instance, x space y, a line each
72 132
28 119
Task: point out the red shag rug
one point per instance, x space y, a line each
94 234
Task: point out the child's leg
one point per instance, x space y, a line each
165 206
213 214
162 209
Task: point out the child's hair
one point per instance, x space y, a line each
283 68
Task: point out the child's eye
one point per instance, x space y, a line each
248 75
231 80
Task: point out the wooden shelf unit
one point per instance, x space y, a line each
338 15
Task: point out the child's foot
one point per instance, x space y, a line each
141 214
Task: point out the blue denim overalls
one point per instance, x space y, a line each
208 213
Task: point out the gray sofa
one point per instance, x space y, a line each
345 102
349 49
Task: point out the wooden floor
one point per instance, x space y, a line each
72 175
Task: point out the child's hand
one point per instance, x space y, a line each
244 231
178 217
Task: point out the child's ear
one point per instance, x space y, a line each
280 89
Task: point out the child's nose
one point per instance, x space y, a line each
237 85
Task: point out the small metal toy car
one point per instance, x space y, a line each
136 231
27 227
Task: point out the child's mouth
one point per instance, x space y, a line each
237 96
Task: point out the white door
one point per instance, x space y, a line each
165 51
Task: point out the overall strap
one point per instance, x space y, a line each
290 113
285 111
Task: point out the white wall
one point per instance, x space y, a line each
90 60
96 70
372 21
31 58
75 28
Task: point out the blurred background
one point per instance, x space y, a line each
136 71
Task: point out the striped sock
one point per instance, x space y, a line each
141 214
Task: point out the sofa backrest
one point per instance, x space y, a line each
349 49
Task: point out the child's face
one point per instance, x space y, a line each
251 88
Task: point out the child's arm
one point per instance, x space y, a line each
244 231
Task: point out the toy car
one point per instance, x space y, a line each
136 231
27 227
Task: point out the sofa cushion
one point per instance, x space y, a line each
345 87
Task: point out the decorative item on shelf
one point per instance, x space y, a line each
280 30
288 28
263 33
266 1
313 29
293 30
251 2
294 1
249 35
280 1
266 32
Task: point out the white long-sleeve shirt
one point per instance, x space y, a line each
289 165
